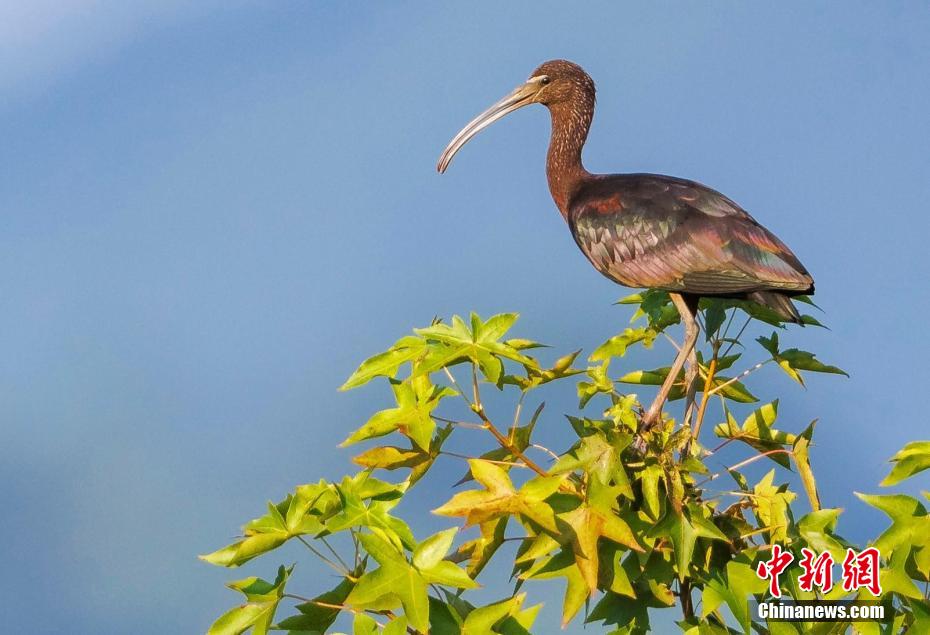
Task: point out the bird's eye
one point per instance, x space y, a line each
545 79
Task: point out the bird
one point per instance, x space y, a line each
650 230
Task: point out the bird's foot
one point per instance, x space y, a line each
650 420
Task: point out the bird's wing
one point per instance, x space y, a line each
660 232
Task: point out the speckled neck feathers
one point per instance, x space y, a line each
571 120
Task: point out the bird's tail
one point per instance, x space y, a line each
779 303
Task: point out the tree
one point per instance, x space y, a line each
630 520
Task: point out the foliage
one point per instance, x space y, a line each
627 518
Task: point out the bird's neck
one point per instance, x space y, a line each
571 121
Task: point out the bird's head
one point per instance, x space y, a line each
553 84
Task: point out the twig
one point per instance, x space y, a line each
510 447
716 389
744 463
339 607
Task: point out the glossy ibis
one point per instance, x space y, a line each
649 230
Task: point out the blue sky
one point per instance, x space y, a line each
212 211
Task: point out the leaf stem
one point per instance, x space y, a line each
705 397
342 570
457 386
738 335
555 457
333 551
504 441
469 458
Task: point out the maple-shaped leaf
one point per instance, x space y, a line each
417 460
910 522
416 399
262 599
480 550
405 581
794 360
298 514
563 565
598 454
406 349
501 498
593 519
480 342
772 506
536 377
519 438
734 586
318 614
758 433
374 514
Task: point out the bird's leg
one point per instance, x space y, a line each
653 415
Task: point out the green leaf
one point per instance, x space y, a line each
910 524
678 528
772 506
650 476
757 432
599 457
445 572
616 346
480 550
397 626
592 520
395 578
242 618
270 531
715 314
375 514
479 343
793 360
364 625
734 588
482 621
429 552
911 459
258 613
386 364
816 529
501 498
536 377
314 617
416 400
801 454
563 565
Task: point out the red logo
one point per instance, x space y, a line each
771 569
818 571
860 570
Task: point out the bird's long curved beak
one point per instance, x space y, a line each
521 96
